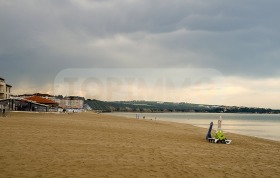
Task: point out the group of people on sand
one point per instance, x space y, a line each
138 117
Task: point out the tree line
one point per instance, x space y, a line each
152 106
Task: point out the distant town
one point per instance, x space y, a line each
39 102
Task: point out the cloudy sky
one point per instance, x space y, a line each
239 40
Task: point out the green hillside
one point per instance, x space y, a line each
152 106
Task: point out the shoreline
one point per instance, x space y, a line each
164 121
183 121
105 112
97 145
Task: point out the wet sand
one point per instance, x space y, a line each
97 145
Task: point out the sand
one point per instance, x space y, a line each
98 145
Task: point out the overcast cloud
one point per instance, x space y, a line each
240 39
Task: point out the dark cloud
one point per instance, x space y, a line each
40 38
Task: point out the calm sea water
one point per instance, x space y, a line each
258 125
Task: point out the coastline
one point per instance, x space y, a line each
254 125
98 145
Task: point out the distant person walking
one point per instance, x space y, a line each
4 113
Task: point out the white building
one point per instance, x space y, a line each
71 102
5 89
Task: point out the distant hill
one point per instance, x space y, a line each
153 106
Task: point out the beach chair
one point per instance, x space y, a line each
219 136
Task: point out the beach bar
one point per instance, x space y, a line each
28 104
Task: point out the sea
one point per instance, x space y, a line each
265 126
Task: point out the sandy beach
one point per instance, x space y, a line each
98 145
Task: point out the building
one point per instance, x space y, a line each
34 103
50 105
71 102
5 89
46 96
43 103
25 105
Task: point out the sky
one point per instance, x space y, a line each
234 44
